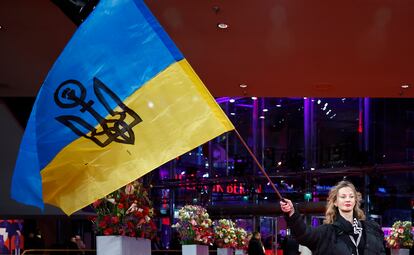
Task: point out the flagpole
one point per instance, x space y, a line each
259 165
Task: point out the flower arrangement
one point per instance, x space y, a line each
225 233
194 225
241 239
401 236
126 211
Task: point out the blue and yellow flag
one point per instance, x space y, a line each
120 101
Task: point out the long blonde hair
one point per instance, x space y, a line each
331 210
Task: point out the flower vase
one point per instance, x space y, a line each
224 251
239 252
195 249
400 252
122 245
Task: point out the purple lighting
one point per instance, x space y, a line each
221 100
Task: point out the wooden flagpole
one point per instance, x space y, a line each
258 164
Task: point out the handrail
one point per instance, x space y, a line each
42 251
58 250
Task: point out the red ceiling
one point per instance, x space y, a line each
278 48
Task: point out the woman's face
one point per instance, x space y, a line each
345 199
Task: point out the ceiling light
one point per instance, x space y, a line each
405 86
254 98
222 25
265 110
232 113
278 105
232 100
319 101
243 85
262 117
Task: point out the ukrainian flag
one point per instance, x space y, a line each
120 101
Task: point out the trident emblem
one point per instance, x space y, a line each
118 128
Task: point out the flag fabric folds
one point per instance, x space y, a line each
120 101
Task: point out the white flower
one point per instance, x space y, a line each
110 200
129 189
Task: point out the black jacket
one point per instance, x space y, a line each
255 247
332 239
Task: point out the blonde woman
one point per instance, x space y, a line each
345 230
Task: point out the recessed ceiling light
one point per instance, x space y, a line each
232 100
222 25
265 110
278 105
405 86
243 85
254 98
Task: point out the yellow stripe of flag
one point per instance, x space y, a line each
178 115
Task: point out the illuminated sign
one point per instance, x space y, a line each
235 188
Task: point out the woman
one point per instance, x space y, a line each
345 230
255 245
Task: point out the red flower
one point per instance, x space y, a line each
107 218
102 224
115 220
108 231
120 206
145 210
96 203
130 225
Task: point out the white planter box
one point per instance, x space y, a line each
400 252
224 251
240 252
195 249
122 245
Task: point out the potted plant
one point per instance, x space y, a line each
225 236
194 229
123 221
241 241
400 239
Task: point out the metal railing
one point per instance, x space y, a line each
58 252
93 252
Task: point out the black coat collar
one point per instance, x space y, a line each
343 225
